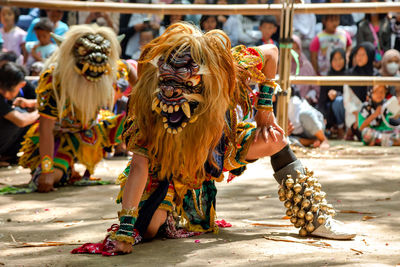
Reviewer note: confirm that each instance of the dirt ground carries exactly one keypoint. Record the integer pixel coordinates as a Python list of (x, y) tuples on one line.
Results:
[(363, 183)]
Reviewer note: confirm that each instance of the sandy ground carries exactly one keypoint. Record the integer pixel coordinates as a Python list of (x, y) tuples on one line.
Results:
[(365, 180)]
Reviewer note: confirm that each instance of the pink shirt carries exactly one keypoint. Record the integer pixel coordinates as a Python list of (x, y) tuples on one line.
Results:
[(13, 39), (324, 43)]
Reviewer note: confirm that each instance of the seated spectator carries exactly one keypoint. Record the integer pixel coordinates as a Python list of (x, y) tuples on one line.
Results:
[(13, 36), (370, 120), (376, 29), (42, 49), (8, 56), (209, 22), (308, 123), (309, 92), (390, 67), (326, 41), (55, 16), (16, 113), (268, 27), (330, 101), (354, 96), (168, 21), (146, 35)]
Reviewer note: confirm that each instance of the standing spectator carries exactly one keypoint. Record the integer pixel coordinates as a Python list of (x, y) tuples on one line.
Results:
[(195, 18), (109, 19), (304, 27), (390, 68), (248, 30), (330, 101), (354, 96), (268, 27), (15, 113), (346, 21), (146, 35), (309, 92), (376, 29), (326, 41), (55, 16), (42, 49), (25, 20), (131, 25), (13, 36), (230, 24), (396, 30)]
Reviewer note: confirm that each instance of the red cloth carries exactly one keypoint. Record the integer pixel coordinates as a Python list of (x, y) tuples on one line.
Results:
[(104, 248), (222, 223)]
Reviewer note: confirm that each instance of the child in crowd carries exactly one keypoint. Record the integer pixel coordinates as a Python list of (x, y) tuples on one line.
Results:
[(13, 36), (370, 120), (324, 42), (330, 101), (55, 16), (42, 49), (268, 27), (16, 113), (209, 22)]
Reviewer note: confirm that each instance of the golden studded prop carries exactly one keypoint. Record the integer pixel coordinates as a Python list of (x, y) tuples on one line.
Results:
[(304, 201)]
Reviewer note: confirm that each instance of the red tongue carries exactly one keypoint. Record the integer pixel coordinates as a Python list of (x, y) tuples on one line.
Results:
[(175, 117)]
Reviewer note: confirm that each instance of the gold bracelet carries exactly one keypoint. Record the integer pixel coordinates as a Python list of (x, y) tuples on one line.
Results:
[(47, 164), (128, 212)]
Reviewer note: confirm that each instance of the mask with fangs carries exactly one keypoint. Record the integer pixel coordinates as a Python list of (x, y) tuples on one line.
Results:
[(179, 83)]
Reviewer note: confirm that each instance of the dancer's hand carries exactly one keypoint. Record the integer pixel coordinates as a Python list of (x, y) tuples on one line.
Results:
[(45, 183), (122, 247), (266, 124)]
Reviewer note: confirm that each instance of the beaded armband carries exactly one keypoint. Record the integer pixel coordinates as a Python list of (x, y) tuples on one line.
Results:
[(264, 101), (47, 164), (126, 231)]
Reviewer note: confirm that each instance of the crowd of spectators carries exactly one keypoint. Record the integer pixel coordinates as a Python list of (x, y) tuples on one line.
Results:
[(334, 45)]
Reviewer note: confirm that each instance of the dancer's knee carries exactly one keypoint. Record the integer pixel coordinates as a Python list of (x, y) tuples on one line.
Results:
[(157, 220)]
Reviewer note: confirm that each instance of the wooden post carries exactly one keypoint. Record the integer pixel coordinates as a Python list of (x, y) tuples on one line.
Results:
[(285, 44)]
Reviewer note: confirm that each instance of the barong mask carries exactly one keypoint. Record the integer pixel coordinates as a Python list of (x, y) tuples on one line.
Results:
[(91, 54), (85, 69), (179, 84)]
